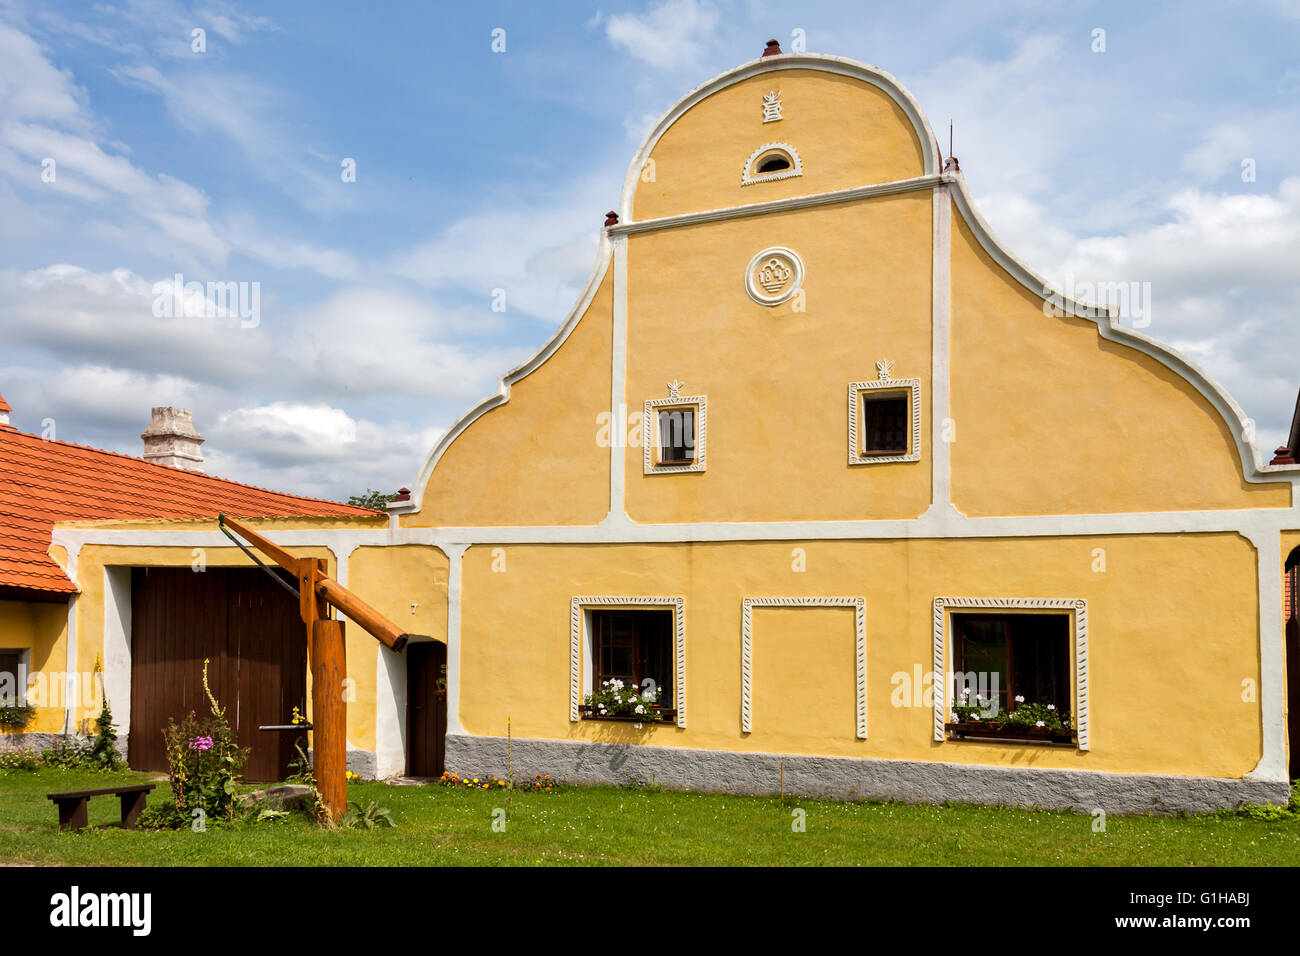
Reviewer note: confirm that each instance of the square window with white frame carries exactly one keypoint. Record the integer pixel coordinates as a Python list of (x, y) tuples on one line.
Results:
[(884, 421), (674, 434), (627, 659)]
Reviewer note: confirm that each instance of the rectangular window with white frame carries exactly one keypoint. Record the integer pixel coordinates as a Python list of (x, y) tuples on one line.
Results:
[(627, 659), (674, 434), (884, 419), (1012, 670)]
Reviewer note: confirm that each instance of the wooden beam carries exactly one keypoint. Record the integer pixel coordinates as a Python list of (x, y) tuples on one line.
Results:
[(358, 610), (273, 551), (313, 581)]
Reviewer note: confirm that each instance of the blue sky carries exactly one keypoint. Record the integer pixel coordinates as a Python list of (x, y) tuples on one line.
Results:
[(478, 170)]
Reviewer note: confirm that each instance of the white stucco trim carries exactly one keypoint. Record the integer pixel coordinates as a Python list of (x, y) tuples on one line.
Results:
[(580, 651), (117, 645), (747, 605), (940, 336), (1245, 521), (943, 683), (1272, 763), (70, 656), (913, 388), (774, 64), (760, 296), (749, 177), (455, 561), (650, 434), (721, 214), (618, 385), (390, 712)]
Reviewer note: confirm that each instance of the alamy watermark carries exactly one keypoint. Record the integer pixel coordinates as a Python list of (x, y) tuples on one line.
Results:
[(192, 300), (1125, 300)]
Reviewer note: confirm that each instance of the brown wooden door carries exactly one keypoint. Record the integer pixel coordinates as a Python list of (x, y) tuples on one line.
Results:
[(426, 708), (249, 629)]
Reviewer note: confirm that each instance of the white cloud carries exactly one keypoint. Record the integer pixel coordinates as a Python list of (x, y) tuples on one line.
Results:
[(32, 88), (1223, 284), (46, 116), (670, 35), (540, 252), (1220, 152), (73, 314), (219, 107), (315, 449), (117, 400)]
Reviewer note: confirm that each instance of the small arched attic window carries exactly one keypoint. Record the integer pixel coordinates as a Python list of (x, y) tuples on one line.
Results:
[(770, 162)]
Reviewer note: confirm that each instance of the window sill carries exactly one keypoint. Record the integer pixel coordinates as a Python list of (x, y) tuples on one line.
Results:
[(666, 715), (1027, 735)]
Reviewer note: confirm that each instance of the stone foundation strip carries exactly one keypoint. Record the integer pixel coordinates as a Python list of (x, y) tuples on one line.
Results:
[(854, 778)]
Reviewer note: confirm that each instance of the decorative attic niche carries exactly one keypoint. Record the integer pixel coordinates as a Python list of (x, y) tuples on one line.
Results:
[(771, 162)]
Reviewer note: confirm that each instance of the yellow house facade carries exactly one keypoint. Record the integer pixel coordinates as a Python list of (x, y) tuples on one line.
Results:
[(811, 442)]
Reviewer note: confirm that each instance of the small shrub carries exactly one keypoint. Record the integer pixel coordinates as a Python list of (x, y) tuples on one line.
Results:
[(203, 762), (20, 758), (1267, 811), (103, 749), (74, 752), (541, 783), (367, 817)]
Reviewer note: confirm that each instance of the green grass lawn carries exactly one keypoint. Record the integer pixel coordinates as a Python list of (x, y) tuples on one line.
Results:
[(612, 826)]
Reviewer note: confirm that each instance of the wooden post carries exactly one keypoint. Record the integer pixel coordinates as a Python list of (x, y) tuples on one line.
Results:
[(317, 592), (329, 715)]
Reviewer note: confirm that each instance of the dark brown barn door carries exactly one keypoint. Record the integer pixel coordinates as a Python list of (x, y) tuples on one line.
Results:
[(247, 627), (426, 708)]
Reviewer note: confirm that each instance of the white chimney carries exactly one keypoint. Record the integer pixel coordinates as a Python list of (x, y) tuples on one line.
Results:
[(171, 439)]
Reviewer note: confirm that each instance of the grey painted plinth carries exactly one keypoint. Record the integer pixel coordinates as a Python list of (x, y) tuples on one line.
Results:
[(853, 778), (39, 741), (44, 741), (360, 762)]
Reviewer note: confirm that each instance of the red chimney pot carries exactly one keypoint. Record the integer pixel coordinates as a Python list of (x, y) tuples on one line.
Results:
[(773, 48), (611, 218)]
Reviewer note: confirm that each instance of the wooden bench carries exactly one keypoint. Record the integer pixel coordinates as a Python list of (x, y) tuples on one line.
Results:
[(72, 805)]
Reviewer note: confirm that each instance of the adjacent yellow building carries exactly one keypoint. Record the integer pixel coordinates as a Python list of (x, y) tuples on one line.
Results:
[(811, 442)]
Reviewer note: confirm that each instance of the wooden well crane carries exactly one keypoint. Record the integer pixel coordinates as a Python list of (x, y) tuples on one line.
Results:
[(317, 594)]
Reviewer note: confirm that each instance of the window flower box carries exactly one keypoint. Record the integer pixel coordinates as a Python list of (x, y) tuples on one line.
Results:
[(1006, 730), (658, 715), (15, 716)]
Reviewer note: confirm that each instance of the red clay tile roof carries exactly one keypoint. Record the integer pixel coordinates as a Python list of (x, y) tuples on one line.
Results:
[(43, 481)]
